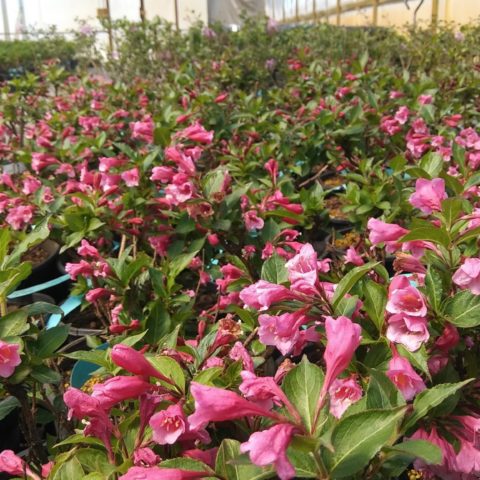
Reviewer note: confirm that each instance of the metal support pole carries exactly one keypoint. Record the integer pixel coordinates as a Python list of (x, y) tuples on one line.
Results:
[(273, 9), (375, 12), (315, 11), (339, 12), (109, 19), (142, 11), (434, 13), (6, 25), (297, 17), (284, 13), (327, 17), (177, 23)]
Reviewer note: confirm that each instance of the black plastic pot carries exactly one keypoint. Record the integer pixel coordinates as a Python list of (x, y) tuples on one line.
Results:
[(47, 270)]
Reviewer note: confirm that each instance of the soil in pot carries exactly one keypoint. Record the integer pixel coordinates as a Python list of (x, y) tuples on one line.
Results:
[(338, 242), (334, 205)]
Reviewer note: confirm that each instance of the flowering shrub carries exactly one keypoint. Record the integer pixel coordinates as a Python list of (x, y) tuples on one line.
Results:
[(281, 261)]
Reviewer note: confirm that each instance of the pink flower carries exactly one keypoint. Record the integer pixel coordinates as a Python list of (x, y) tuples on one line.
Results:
[(82, 268), (214, 404), (31, 185), (131, 177), (448, 464), (118, 389), (12, 464), (87, 250), (196, 133), (143, 130), (270, 446), (468, 275), (168, 425), (160, 244), (353, 257), (401, 373), (134, 362), (402, 115), (404, 298), (176, 193), (262, 294), (157, 473), (425, 99), (162, 174), (302, 268), (388, 233), (19, 217), (408, 331), (239, 353), (343, 338), (261, 390), (448, 339), (9, 358), (343, 392), (253, 221), (428, 195), (281, 331), (145, 457)]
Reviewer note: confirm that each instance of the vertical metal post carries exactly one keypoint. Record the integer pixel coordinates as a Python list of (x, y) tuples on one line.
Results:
[(375, 12), (273, 9), (177, 23), (142, 11), (284, 13), (296, 11), (434, 13), (315, 11), (6, 25), (327, 17), (339, 12), (109, 27)]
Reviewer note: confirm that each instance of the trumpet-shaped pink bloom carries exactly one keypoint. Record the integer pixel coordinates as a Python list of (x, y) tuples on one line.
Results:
[(270, 447), (214, 404), (117, 389), (162, 174), (135, 362), (239, 352), (12, 464), (428, 195), (157, 473), (19, 217), (253, 221), (343, 392), (261, 390), (401, 373), (408, 331), (468, 275), (262, 294), (9, 358), (302, 268), (388, 233), (448, 339), (131, 177), (404, 298), (196, 133), (353, 257), (281, 331), (145, 457), (343, 338), (168, 425)]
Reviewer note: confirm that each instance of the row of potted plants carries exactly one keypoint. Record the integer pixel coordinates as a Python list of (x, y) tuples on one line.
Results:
[(256, 257)]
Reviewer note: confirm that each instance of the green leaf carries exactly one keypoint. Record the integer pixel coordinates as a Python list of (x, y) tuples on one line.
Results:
[(79, 438), (50, 340), (302, 386), (418, 359), (434, 288), (349, 281), (14, 324), (375, 301), (468, 235), (68, 470), (170, 368), (274, 271), (357, 438), (451, 209), (431, 234), (39, 308), (228, 466), (45, 375), (432, 163), (180, 263), (158, 323), (431, 398), (427, 451), (463, 310), (7, 405), (304, 462), (382, 393), (98, 357)]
